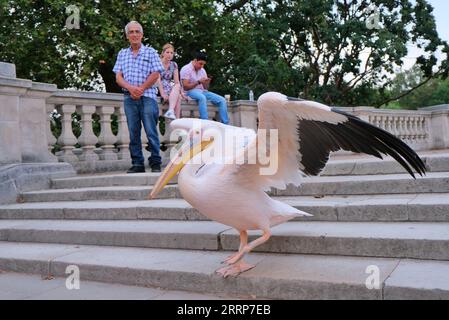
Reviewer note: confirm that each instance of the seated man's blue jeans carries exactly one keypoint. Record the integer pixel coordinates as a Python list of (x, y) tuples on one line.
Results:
[(203, 97), (144, 110)]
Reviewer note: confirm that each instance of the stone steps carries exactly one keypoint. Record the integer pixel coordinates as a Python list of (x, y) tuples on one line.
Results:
[(426, 207), (277, 276), (434, 182), (372, 239), (367, 213)]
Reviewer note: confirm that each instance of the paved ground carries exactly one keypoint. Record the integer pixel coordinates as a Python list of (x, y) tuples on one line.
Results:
[(16, 286)]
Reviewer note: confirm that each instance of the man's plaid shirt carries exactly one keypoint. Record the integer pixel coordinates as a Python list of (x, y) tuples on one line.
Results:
[(137, 69)]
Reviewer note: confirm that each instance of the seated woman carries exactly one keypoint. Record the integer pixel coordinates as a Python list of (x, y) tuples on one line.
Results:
[(169, 85)]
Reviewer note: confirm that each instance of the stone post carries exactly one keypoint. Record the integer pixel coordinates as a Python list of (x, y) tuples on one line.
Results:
[(439, 125), (23, 118)]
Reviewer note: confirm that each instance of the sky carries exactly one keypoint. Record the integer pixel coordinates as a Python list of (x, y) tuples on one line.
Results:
[(440, 12)]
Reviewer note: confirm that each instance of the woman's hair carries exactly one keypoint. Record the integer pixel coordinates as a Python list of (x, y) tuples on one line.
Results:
[(165, 47)]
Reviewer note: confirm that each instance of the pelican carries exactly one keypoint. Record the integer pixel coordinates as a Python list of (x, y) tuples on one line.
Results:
[(232, 189)]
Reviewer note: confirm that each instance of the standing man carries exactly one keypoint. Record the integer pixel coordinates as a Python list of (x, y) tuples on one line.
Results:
[(196, 82), (137, 69)]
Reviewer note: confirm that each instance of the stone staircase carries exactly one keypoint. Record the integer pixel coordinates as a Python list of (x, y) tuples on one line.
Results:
[(375, 234)]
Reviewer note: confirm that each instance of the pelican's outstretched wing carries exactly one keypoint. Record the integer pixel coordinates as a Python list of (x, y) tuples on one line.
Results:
[(308, 131)]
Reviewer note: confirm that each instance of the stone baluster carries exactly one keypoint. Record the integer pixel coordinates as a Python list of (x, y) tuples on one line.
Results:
[(387, 120), (106, 138), (122, 135), (422, 127), (406, 128), (50, 137), (396, 126), (401, 127), (414, 129), (67, 139), (87, 139), (373, 120), (382, 122)]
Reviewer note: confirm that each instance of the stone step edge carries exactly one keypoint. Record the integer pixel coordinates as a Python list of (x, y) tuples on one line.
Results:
[(327, 211)]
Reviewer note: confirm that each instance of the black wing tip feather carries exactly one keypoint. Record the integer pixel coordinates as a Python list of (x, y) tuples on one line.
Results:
[(318, 138), (392, 145)]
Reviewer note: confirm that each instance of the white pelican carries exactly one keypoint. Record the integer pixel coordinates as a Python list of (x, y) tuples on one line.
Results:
[(233, 192)]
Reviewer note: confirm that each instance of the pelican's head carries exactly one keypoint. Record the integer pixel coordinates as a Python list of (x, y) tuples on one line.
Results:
[(199, 137), (271, 98)]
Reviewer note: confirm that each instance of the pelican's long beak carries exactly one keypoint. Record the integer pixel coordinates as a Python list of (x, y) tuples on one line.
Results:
[(191, 147)]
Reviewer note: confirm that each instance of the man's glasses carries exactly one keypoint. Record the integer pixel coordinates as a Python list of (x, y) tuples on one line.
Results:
[(134, 32)]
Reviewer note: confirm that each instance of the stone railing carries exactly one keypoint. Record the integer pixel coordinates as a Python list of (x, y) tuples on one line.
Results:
[(110, 151), (413, 127)]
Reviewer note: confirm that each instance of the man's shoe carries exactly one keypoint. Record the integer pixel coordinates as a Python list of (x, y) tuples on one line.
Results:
[(156, 168), (136, 169), (170, 115)]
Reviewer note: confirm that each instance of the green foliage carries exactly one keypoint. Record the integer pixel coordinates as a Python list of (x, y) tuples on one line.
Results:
[(307, 48), (433, 92)]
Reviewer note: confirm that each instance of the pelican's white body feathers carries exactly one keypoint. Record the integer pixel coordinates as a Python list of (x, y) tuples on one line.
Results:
[(209, 189)]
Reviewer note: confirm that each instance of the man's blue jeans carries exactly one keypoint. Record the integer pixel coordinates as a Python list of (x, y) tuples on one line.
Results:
[(203, 97), (144, 110)]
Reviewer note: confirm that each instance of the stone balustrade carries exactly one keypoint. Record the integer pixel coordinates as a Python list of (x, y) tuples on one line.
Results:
[(413, 127), (110, 151)]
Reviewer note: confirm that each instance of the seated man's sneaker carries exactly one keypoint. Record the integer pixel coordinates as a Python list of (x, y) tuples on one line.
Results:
[(136, 169), (156, 168), (170, 115)]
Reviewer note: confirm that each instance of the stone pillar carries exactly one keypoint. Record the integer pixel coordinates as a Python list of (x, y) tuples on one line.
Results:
[(10, 135), (34, 123), (23, 118), (439, 126)]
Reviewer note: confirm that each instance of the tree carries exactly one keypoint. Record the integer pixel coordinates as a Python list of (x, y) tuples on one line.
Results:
[(423, 94), (332, 52), (326, 50), (34, 36)]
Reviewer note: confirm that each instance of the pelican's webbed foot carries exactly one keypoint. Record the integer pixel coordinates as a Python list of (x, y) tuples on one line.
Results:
[(234, 269)]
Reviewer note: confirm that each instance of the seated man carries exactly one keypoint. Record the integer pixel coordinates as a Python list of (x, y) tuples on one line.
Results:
[(196, 83)]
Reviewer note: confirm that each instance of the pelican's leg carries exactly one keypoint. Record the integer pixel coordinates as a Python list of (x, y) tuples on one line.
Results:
[(243, 243), (237, 265), (250, 246)]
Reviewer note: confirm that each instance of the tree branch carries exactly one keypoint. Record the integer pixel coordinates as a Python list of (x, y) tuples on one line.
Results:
[(409, 91)]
